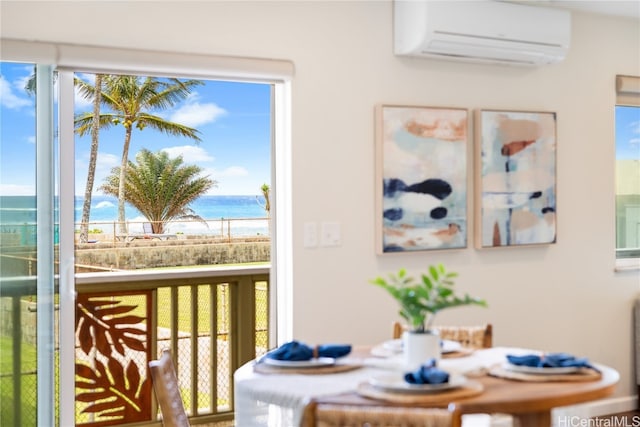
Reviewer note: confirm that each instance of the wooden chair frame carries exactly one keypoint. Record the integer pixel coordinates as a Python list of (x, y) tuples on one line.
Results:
[(468, 336), (325, 415), (165, 385)]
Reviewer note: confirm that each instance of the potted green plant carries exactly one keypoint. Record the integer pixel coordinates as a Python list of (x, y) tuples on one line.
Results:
[(420, 301)]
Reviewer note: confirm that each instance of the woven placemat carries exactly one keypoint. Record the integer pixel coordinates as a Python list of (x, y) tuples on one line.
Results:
[(584, 374), (463, 352), (470, 388), (263, 368)]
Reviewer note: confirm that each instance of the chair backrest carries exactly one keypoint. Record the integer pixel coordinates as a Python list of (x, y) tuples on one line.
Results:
[(332, 415), (165, 385), (147, 228), (469, 336)]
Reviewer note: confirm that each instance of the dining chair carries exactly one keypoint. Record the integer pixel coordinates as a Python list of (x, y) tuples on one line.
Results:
[(165, 385), (480, 336), (331, 415)]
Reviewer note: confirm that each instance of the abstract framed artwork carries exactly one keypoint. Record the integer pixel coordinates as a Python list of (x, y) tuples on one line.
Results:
[(421, 178), (515, 178)]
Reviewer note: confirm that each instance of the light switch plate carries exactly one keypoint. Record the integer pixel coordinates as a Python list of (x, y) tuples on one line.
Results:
[(310, 234), (330, 234)]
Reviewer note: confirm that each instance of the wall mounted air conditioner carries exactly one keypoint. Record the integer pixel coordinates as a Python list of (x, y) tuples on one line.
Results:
[(481, 31)]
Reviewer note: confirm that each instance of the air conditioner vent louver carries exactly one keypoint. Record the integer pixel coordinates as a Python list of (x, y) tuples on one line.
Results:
[(485, 59), (499, 39), (481, 31)]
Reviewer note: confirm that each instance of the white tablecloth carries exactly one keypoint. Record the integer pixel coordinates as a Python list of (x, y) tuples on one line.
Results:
[(277, 400)]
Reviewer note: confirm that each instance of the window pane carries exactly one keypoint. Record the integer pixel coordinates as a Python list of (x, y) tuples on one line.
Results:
[(628, 181)]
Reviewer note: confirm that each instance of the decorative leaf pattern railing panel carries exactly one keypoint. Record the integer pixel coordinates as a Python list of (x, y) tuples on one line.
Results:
[(112, 378)]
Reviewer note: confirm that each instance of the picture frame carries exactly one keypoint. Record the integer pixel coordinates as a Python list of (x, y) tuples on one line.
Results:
[(515, 178), (422, 180)]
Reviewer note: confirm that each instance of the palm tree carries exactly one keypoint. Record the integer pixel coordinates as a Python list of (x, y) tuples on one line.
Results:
[(131, 101), (93, 158), (160, 187)]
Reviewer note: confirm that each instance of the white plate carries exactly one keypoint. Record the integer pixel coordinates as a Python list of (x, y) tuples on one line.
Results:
[(398, 384), (312, 363), (393, 345), (448, 346), (541, 371)]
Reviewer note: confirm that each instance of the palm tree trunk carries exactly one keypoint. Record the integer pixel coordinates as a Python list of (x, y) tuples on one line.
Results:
[(93, 157), (123, 173)]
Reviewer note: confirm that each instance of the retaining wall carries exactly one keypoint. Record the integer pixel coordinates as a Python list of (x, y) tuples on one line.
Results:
[(168, 254)]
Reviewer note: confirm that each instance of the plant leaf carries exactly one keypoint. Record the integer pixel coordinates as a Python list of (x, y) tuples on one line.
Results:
[(419, 302)]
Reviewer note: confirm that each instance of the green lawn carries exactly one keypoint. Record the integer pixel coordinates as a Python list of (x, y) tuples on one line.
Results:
[(204, 305), (28, 384), (204, 308)]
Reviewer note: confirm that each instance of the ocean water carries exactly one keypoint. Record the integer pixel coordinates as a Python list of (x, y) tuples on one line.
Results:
[(236, 215)]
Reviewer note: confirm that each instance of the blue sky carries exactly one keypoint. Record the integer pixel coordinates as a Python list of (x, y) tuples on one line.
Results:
[(628, 132), (233, 119)]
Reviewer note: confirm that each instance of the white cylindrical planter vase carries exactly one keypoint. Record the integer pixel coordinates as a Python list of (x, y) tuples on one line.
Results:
[(420, 347)]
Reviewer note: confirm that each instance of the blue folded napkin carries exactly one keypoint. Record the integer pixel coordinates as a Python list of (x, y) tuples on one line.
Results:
[(297, 351), (550, 360), (428, 373), (333, 350)]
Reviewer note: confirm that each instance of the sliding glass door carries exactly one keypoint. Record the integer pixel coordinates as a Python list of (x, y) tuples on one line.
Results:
[(37, 209), (28, 246)]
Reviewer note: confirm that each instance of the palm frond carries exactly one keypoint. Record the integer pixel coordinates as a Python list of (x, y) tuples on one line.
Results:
[(83, 122), (167, 127)]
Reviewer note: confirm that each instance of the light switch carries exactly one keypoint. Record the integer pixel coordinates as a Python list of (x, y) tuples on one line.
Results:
[(310, 234), (330, 234)]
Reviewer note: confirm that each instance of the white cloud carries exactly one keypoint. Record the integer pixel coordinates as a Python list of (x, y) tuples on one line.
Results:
[(31, 139), (635, 126), (9, 99), (106, 161), (232, 171), (634, 141), (229, 172), (194, 113), (233, 180), (17, 190), (228, 180), (189, 153)]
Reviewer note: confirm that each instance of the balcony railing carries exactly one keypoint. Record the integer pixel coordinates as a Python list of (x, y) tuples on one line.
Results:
[(211, 319)]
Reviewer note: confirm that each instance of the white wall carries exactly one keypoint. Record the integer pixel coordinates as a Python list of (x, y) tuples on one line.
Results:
[(560, 297)]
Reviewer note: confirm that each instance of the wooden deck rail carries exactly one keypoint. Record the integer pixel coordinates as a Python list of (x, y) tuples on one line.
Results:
[(213, 320)]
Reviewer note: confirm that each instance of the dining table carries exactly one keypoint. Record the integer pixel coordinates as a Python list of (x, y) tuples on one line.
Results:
[(267, 395)]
